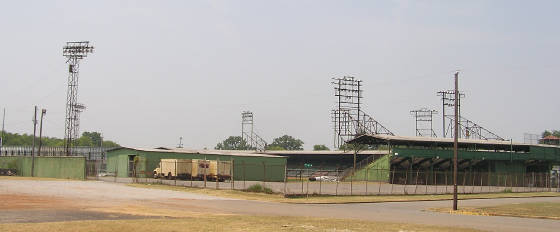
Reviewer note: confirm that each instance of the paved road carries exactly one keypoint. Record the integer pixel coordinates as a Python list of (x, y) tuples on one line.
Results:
[(402, 212)]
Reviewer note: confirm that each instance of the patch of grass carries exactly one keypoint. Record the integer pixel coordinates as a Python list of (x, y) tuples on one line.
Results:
[(547, 210), (507, 191), (257, 188), (236, 194), (225, 223), (309, 199)]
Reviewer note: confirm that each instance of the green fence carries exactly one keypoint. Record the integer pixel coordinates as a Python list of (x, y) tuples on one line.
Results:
[(48, 166)]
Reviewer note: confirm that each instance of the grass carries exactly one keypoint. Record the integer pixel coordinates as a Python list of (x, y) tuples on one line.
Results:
[(276, 197), (546, 210), (257, 188), (225, 223)]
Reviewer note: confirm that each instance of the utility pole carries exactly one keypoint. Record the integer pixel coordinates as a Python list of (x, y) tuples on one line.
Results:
[(33, 148), (455, 140), (43, 112)]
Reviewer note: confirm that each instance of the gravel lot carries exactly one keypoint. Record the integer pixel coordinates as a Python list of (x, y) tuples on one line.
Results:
[(76, 200)]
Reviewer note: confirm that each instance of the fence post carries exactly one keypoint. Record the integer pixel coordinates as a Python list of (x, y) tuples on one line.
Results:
[(205, 170), (405, 181), (217, 172), (435, 180), (176, 174), (515, 181), (558, 179), (445, 181), (231, 173), (285, 179), (473, 175), (531, 181), (320, 181), (378, 183), (416, 181), (351, 183), (244, 179), (337, 180), (392, 179), (264, 174), (301, 179), (367, 178), (191, 162), (548, 182), (426, 177), (480, 175), (307, 189)]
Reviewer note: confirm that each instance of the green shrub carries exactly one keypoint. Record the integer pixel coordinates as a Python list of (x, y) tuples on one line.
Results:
[(257, 188), (507, 190)]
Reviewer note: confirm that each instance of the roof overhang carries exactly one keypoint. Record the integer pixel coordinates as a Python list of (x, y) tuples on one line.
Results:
[(380, 139)]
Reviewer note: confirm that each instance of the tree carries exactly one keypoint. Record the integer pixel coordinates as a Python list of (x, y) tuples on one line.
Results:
[(88, 139), (285, 142), (275, 148), (95, 137), (553, 133), (234, 143), (320, 147)]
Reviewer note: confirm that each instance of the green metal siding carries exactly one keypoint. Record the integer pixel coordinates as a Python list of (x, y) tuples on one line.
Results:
[(53, 167), (245, 167), (376, 171), (539, 153)]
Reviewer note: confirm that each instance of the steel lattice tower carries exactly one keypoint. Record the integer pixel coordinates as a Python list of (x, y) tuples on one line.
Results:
[(248, 134), (349, 120), (467, 128), (424, 118), (74, 52)]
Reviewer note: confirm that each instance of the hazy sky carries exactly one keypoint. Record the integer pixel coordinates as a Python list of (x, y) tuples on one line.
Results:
[(165, 69)]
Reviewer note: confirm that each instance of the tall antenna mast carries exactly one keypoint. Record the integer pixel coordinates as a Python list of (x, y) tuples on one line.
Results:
[(74, 52)]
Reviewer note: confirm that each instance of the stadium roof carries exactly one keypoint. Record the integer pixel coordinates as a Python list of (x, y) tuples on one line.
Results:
[(203, 152), (377, 139)]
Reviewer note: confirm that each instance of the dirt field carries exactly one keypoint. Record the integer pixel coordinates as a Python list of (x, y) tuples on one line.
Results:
[(35, 201)]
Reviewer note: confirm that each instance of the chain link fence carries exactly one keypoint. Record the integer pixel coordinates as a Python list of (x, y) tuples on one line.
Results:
[(240, 176)]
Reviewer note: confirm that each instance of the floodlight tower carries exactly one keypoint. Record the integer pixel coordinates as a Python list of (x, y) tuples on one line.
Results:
[(424, 118), (74, 52)]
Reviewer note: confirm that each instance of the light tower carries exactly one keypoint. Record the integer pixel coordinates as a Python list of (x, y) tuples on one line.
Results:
[(74, 52), (424, 118)]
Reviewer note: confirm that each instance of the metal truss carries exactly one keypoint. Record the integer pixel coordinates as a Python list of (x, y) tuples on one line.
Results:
[(74, 52), (424, 122), (248, 134), (349, 120)]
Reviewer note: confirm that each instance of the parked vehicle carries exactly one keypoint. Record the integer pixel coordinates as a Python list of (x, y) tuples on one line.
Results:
[(174, 168), (195, 169)]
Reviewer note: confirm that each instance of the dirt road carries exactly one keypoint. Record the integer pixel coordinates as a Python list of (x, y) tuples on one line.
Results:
[(121, 201)]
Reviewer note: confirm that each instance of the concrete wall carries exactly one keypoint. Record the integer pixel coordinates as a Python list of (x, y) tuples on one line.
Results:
[(48, 166)]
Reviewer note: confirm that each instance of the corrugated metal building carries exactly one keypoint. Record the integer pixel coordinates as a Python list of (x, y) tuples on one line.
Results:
[(247, 165)]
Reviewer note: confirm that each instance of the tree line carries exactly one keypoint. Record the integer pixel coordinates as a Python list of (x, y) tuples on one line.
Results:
[(88, 139), (285, 142)]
